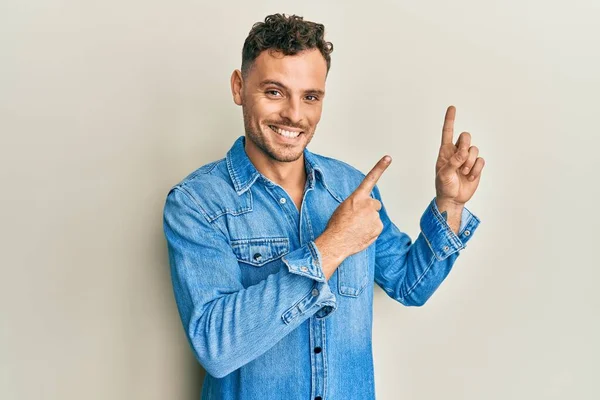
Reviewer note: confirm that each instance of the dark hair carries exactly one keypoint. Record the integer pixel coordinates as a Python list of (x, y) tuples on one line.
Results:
[(287, 34)]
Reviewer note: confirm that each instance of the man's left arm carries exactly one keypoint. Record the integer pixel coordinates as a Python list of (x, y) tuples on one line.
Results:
[(411, 272)]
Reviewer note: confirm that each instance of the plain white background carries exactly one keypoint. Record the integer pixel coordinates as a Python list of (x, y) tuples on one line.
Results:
[(105, 105)]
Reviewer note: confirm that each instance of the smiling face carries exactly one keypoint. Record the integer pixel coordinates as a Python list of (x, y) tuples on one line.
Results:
[(282, 99)]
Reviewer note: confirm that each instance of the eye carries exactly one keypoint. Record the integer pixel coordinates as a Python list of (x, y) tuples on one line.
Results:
[(272, 91), (315, 98)]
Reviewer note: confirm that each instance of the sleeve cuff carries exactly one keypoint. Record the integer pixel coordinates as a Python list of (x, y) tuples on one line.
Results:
[(320, 299), (305, 261), (440, 237)]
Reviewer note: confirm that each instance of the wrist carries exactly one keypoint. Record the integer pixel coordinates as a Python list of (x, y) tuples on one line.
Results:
[(451, 211), (449, 205), (331, 254)]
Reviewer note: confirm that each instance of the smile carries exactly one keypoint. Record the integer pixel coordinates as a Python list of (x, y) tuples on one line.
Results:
[(282, 132)]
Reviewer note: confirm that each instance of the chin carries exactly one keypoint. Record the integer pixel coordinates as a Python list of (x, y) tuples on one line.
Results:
[(283, 154)]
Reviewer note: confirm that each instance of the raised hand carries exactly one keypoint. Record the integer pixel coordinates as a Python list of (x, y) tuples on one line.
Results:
[(355, 223), (458, 169)]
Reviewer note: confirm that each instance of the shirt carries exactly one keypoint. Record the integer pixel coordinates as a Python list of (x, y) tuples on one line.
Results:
[(258, 313)]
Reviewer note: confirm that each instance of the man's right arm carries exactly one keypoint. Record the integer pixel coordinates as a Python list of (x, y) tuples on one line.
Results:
[(227, 324)]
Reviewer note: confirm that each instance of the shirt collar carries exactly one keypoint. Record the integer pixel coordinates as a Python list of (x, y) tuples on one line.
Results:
[(243, 173)]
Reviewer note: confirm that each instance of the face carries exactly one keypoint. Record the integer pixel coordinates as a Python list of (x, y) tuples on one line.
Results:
[(282, 100)]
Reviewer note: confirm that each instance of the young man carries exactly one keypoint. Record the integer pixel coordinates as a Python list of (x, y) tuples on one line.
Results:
[(274, 249)]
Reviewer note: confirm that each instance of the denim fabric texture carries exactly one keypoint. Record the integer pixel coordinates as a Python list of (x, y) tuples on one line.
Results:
[(258, 313)]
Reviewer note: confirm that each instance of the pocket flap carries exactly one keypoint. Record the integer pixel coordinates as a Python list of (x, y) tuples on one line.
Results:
[(259, 251)]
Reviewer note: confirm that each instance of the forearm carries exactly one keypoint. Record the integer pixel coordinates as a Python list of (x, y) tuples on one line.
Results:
[(410, 271), (236, 328)]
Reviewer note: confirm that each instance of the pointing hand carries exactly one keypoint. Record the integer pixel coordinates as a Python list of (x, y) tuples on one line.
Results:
[(355, 223), (458, 169)]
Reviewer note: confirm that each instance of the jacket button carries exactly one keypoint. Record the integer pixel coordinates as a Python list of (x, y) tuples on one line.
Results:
[(467, 232), (257, 256), (317, 349), (318, 398), (315, 292)]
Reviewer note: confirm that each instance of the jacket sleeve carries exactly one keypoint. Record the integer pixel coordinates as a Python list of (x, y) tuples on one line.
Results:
[(411, 272), (227, 324)]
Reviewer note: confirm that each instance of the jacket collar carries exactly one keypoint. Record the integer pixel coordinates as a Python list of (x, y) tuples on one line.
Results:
[(243, 173)]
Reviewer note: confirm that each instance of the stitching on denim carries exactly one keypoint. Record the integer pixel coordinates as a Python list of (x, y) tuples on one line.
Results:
[(331, 192), (186, 192), (313, 384), (213, 166), (350, 291), (431, 247), (412, 288), (237, 211), (288, 311), (323, 349), (266, 239), (249, 184), (201, 170), (232, 173), (276, 252), (236, 180)]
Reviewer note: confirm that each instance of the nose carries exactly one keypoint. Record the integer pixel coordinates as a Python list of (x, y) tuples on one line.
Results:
[(292, 111)]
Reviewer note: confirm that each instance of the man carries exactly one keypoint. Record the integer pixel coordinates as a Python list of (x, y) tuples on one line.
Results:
[(273, 249)]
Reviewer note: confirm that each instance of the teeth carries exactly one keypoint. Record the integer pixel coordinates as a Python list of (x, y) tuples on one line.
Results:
[(282, 132)]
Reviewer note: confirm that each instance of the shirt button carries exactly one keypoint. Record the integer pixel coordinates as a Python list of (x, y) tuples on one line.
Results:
[(303, 268), (282, 200), (318, 398), (315, 292), (317, 349), (467, 232), (446, 248), (257, 256)]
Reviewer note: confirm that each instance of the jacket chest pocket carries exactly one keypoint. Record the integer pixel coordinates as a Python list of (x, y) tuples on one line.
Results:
[(257, 252), (353, 274)]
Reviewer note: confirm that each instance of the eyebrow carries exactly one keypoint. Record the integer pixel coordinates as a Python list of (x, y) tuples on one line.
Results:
[(281, 85)]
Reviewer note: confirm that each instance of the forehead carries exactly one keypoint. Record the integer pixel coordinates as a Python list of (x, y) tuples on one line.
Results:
[(307, 69)]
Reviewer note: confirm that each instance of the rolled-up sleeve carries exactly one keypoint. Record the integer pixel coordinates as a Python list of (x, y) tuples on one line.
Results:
[(411, 272)]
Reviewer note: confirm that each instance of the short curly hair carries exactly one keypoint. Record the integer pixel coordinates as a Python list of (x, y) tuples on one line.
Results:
[(287, 34)]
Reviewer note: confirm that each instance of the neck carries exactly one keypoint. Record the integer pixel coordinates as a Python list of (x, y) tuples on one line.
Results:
[(290, 174)]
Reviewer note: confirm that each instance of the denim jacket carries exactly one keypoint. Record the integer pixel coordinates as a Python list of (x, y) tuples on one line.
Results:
[(258, 313)]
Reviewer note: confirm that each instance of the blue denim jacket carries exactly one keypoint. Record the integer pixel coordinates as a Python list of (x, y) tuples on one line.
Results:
[(257, 310)]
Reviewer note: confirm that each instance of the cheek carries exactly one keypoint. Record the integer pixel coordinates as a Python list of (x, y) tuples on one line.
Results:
[(266, 111), (314, 116)]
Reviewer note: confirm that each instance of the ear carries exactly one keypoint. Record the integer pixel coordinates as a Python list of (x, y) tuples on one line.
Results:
[(237, 85)]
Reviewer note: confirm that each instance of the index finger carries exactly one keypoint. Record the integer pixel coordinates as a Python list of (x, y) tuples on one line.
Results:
[(373, 176), (448, 129)]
